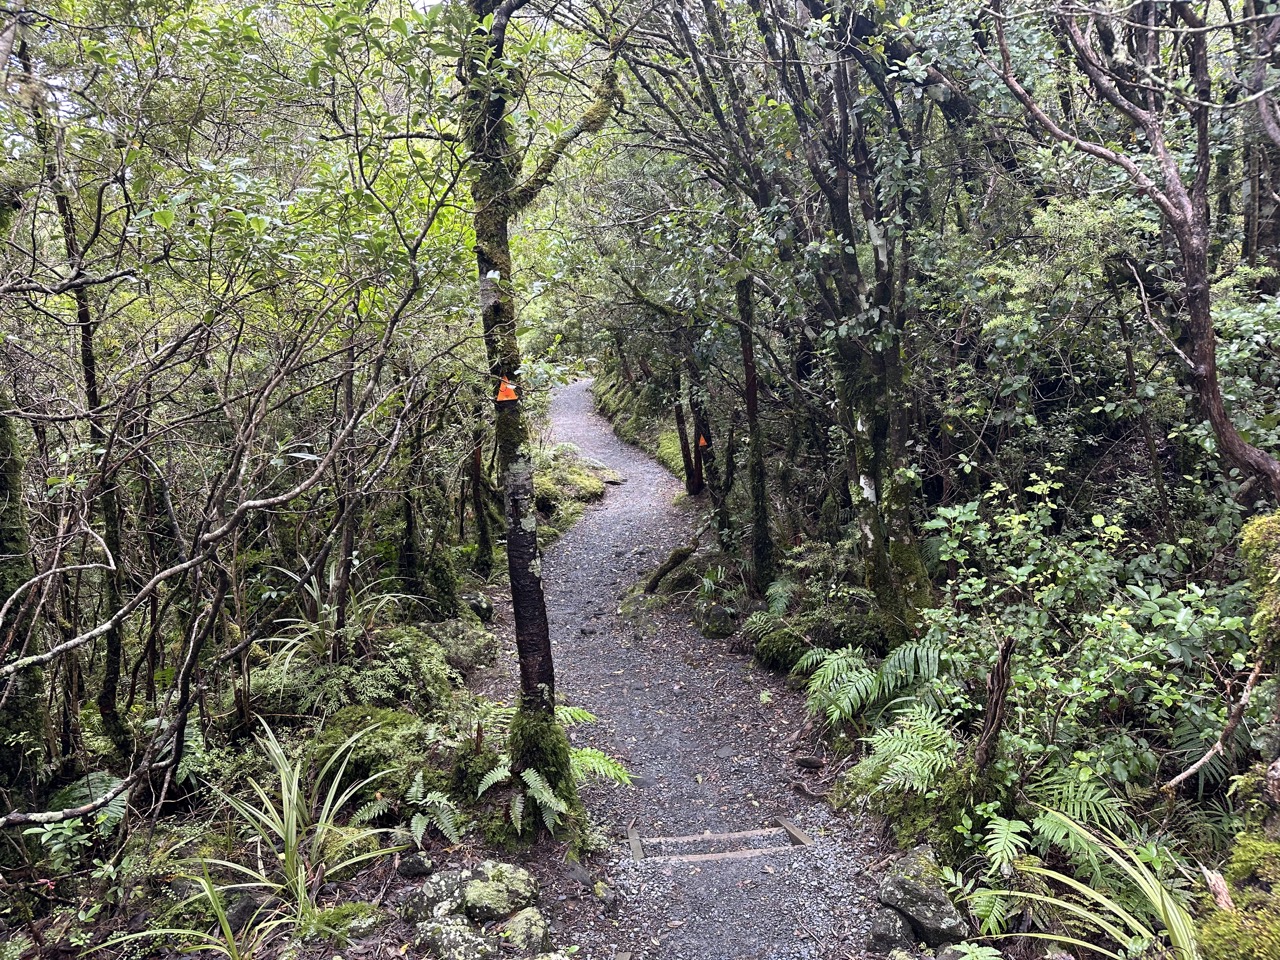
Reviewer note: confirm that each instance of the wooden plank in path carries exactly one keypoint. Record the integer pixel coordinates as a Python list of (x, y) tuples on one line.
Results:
[(729, 855), (633, 838), (695, 837), (798, 837)]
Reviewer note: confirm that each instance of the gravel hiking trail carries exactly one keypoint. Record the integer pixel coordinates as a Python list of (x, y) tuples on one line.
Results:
[(713, 742)]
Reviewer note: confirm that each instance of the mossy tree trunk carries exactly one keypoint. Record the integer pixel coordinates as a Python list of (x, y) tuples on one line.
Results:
[(24, 720), (762, 551), (500, 189)]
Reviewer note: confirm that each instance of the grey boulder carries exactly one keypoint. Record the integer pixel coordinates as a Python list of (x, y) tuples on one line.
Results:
[(913, 887)]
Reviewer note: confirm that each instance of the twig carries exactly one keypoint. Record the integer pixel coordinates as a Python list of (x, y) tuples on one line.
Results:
[(1233, 721)]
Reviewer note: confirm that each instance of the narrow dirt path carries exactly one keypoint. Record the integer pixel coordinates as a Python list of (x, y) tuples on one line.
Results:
[(706, 734)]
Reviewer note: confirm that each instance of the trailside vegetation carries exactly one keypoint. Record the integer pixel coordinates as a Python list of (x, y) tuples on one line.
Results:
[(958, 322)]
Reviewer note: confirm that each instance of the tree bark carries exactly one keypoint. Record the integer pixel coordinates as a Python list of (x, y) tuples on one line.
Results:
[(762, 550)]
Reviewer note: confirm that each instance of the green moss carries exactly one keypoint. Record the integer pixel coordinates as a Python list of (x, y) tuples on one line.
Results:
[(401, 743), (667, 450), (780, 650), (471, 764), (915, 817), (23, 718), (1250, 932), (440, 582), (1260, 546), (465, 642), (1254, 859), (538, 742), (344, 921)]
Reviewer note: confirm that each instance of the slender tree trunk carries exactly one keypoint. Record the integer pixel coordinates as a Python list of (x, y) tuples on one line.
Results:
[(24, 721), (762, 551), (479, 484)]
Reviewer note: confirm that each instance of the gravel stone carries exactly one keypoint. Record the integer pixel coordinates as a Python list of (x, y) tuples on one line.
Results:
[(670, 702)]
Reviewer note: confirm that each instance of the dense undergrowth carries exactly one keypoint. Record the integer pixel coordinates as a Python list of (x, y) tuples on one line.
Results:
[(1125, 658), (310, 771)]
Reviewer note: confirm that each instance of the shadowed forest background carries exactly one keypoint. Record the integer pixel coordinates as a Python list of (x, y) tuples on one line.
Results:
[(957, 321)]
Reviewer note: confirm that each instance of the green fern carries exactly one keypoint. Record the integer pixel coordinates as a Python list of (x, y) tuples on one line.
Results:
[(370, 811), (1082, 799), (910, 755), (1006, 841), (778, 596), (499, 774), (844, 688), (516, 811), (588, 762), (92, 786)]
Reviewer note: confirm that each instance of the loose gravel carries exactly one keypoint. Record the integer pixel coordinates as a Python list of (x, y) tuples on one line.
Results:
[(712, 740)]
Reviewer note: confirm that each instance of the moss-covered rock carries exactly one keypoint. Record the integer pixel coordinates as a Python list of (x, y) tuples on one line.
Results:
[(780, 650), (453, 938), (528, 931), (497, 891)]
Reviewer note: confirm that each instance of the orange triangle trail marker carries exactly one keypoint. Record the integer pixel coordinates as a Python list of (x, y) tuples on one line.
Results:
[(702, 441), (506, 391)]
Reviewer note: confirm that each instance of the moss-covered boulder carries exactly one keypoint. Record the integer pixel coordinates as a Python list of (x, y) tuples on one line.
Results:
[(913, 887), (715, 622), (498, 891), (453, 938), (390, 742), (527, 931), (439, 896)]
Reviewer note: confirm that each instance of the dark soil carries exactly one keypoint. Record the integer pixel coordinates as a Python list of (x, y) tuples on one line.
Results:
[(712, 740)]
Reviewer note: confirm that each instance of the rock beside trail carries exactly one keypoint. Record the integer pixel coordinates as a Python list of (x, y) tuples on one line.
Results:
[(414, 866), (439, 896), (528, 931), (452, 938), (913, 887), (889, 931), (480, 605), (716, 622), (499, 890), (451, 906)]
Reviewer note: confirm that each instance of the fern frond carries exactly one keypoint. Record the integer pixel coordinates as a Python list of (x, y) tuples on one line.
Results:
[(370, 811), (778, 595), (497, 775), (1006, 841), (541, 791), (86, 790), (590, 762), (517, 811), (761, 624), (568, 716), (810, 660), (416, 789)]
